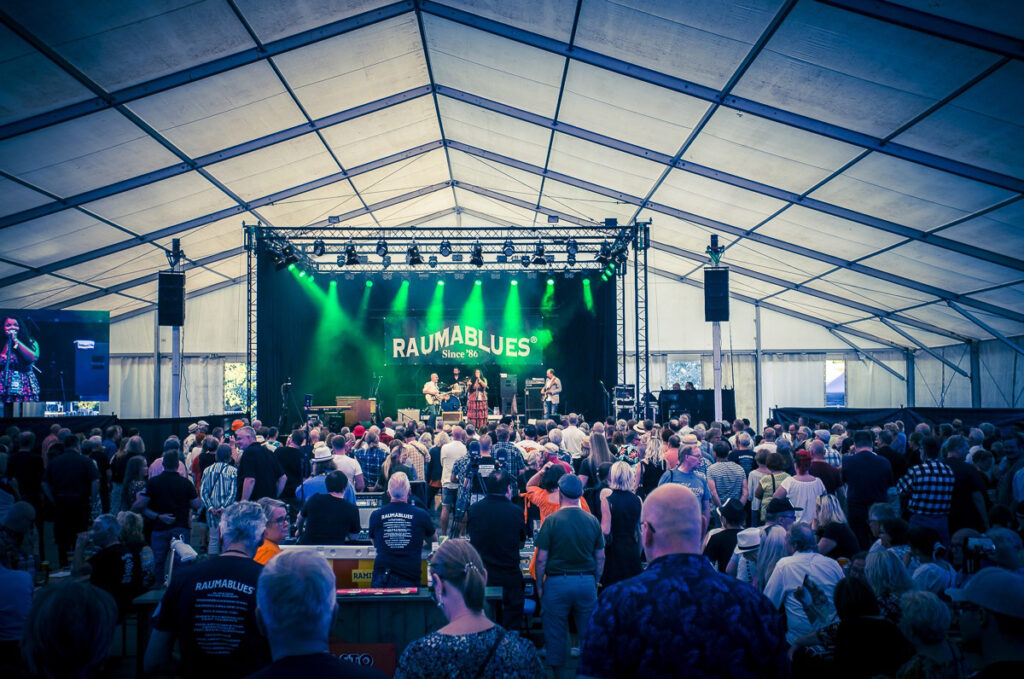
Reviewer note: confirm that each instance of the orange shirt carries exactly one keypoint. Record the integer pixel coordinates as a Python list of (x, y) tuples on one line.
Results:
[(267, 551)]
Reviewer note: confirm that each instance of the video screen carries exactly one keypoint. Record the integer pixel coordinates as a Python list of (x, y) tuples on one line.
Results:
[(55, 355)]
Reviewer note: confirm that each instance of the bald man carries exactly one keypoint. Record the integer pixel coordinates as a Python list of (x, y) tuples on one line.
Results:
[(681, 617)]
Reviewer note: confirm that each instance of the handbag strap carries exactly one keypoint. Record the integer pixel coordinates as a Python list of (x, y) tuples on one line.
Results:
[(490, 654)]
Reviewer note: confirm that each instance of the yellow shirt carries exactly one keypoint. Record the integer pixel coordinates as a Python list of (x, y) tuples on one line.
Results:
[(267, 551)]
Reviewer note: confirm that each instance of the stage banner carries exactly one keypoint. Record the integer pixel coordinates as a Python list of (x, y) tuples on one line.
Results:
[(412, 340)]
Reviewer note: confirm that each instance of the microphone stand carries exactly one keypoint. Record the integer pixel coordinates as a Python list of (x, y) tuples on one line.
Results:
[(7, 370), (608, 400), (282, 420)]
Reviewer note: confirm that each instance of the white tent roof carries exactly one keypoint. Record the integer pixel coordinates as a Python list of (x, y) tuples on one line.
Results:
[(862, 160)]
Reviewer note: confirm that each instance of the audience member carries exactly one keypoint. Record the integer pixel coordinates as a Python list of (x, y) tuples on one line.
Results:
[(835, 539), (166, 502), (69, 482), (868, 479), (69, 629), (259, 472), (802, 489), (399, 532), (329, 518), (720, 543), (497, 531), (217, 491), (620, 522), (114, 568), (991, 607), (276, 513)]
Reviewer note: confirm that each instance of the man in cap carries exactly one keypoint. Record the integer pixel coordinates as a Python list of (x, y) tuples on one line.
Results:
[(686, 471), (570, 560), (992, 615), (728, 630)]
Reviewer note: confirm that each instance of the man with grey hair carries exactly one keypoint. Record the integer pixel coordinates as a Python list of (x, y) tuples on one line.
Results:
[(556, 437), (399, 532), (296, 602), (451, 452), (572, 436), (802, 579), (211, 607)]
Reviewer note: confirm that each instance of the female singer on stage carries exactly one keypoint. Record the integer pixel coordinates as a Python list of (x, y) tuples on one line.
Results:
[(17, 360), (476, 411)]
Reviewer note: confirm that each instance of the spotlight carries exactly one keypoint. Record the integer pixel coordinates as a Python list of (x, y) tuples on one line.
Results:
[(538, 254), (605, 253), (478, 282), (476, 255), (412, 255), (570, 259), (382, 248), (319, 248), (446, 248), (508, 249), (432, 261), (385, 262), (440, 284), (369, 284), (351, 257), (551, 281), (572, 247), (525, 259), (514, 282)]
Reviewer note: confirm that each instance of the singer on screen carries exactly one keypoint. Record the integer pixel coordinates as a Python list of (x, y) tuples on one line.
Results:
[(20, 353)]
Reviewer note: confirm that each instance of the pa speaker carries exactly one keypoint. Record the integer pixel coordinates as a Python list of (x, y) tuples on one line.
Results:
[(171, 298), (716, 294)]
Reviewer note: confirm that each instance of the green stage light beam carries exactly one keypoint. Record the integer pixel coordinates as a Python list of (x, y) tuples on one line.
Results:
[(547, 304), (473, 310), (512, 319), (435, 312), (588, 295), (364, 303), (400, 304), (330, 333)]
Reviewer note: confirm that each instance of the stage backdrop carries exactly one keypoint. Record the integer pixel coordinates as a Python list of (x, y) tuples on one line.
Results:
[(339, 337)]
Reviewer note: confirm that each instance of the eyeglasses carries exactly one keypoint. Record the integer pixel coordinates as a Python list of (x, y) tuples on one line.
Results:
[(280, 519)]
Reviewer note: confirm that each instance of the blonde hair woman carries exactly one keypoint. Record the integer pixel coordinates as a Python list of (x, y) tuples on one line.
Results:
[(620, 522), (773, 548), (470, 645), (652, 466), (835, 537)]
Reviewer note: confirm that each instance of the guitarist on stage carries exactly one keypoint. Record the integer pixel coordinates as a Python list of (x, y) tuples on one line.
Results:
[(552, 388), (433, 396)]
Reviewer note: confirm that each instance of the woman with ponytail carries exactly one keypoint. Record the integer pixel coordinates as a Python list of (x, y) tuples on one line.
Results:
[(470, 646)]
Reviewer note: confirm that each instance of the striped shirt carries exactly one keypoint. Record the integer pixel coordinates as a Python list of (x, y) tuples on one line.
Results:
[(930, 488), (728, 478)]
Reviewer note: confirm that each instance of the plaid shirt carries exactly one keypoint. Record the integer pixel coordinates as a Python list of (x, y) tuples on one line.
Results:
[(833, 457), (930, 487), (511, 461), (370, 459)]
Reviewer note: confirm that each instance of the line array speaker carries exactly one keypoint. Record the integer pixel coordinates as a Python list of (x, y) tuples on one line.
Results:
[(716, 294)]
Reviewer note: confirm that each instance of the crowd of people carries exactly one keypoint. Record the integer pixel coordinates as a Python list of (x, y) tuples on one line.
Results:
[(658, 550)]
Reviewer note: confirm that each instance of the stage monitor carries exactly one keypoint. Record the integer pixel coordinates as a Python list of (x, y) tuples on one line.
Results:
[(59, 356)]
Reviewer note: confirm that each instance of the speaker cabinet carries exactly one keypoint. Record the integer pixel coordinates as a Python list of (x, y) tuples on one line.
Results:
[(716, 294), (171, 298)]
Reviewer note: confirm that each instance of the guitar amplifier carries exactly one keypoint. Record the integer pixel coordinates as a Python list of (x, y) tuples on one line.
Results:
[(534, 401)]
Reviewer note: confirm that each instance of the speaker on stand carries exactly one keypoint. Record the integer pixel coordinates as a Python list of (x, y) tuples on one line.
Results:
[(170, 306), (716, 294)]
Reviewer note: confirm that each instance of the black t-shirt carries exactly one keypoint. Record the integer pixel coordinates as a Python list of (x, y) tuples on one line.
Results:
[(831, 477), (497, 531), (170, 493), (211, 609), (70, 476), (117, 570), (329, 520), (842, 535), (294, 463), (398, 530), (102, 465), (897, 461), (966, 480), (27, 468), (259, 464), (868, 477), (720, 547), (318, 665), (744, 458)]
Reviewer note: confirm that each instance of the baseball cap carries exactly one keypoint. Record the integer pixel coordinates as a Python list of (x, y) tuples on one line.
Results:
[(359, 431), (996, 589), (778, 505), (236, 425), (570, 486)]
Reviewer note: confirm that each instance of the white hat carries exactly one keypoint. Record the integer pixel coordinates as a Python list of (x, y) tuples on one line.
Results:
[(322, 453)]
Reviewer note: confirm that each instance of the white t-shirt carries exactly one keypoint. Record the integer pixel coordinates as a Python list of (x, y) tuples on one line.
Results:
[(350, 466), (572, 437), (804, 494), (789, 574), (450, 452)]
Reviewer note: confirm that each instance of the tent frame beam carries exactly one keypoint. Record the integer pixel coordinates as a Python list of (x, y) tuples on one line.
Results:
[(865, 355), (931, 352), (985, 326)]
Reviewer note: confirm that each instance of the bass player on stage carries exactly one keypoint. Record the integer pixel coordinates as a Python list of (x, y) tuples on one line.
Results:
[(552, 388), (476, 411)]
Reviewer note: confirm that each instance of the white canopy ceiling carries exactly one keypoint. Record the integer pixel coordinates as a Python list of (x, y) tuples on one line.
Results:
[(861, 160)]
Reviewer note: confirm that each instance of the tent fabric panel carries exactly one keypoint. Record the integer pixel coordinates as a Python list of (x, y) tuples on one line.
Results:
[(166, 202), (605, 167), (130, 42), (32, 83), (905, 193), (117, 268), (501, 213), (490, 175), (832, 235), (410, 210), (281, 166), (771, 260), (221, 111), (678, 232), (583, 203), (936, 385), (493, 67), (213, 238), (855, 72), (981, 127), (817, 307), (997, 16), (312, 206), (367, 138), (1010, 297), (945, 317), (39, 292), (879, 329), (355, 68), (700, 42), (869, 290), (115, 304), (551, 18), (715, 200), (493, 131), (272, 20), (14, 197), (768, 152), (627, 109), (52, 238), (1000, 230), (940, 267), (402, 177), (83, 154)]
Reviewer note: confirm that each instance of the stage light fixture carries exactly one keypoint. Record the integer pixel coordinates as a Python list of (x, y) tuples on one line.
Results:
[(382, 248), (369, 284), (570, 259), (551, 281), (440, 284), (476, 255), (386, 261), (446, 248), (351, 256), (319, 248), (538, 254), (605, 254), (508, 249), (478, 282), (432, 261), (525, 259), (412, 255), (514, 282), (572, 247)]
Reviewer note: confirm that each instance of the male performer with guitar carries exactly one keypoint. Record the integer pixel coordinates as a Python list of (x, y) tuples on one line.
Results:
[(552, 388), (433, 396)]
